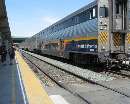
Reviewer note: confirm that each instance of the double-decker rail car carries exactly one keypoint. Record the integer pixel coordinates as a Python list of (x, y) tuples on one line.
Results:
[(96, 33)]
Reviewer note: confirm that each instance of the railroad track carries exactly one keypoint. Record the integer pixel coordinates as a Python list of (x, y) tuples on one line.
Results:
[(56, 81), (65, 86), (118, 73)]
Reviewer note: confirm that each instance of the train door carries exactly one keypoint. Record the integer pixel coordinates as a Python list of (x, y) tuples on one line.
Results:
[(61, 44), (128, 34), (103, 27), (119, 25)]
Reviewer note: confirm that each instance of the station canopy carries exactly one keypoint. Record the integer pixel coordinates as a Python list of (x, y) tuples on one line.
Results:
[(5, 32)]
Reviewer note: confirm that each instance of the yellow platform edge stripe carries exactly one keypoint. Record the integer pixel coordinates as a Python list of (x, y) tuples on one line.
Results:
[(33, 87)]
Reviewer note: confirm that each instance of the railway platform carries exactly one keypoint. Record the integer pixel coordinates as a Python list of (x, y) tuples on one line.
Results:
[(19, 85)]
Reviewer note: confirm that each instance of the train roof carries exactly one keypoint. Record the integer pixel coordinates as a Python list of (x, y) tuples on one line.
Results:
[(88, 6)]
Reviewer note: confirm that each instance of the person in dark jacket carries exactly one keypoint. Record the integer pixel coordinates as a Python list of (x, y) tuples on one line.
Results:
[(11, 54), (0, 53), (3, 53)]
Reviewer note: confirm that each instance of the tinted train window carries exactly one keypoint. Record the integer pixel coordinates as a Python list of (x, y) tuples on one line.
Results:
[(87, 15), (82, 17), (129, 14), (103, 12), (90, 14), (117, 8), (94, 12)]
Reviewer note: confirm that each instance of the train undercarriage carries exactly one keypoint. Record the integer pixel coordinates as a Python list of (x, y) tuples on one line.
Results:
[(116, 60)]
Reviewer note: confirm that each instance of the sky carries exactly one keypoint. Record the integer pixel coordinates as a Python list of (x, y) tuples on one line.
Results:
[(28, 17)]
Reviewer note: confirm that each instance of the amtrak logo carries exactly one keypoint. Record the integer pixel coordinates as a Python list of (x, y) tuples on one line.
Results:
[(89, 46)]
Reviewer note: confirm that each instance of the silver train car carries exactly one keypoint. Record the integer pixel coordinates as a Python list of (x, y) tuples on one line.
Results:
[(96, 33)]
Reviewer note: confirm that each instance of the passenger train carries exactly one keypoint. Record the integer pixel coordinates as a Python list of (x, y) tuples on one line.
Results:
[(96, 33)]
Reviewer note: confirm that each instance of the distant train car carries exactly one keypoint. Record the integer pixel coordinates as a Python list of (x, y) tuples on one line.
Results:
[(96, 33)]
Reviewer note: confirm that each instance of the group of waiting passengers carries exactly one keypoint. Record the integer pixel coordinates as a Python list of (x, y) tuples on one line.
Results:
[(4, 52)]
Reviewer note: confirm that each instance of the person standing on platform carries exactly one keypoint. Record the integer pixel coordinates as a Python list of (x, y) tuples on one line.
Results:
[(3, 53), (0, 53), (11, 54)]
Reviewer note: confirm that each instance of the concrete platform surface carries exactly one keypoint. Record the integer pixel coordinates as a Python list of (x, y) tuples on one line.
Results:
[(10, 85), (19, 84)]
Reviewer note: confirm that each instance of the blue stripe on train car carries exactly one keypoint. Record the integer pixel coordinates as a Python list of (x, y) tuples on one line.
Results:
[(82, 46)]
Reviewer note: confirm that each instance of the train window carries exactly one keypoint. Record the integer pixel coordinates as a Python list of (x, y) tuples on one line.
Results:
[(103, 12), (82, 17), (87, 15), (94, 12), (117, 8), (76, 19), (128, 14), (43, 33), (90, 17)]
